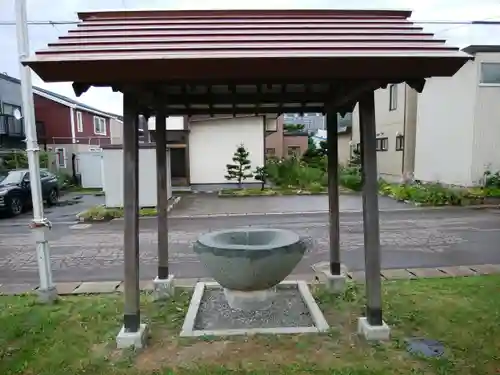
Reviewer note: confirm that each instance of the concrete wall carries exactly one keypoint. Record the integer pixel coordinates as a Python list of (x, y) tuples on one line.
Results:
[(445, 128), (486, 133), (113, 176), (212, 143)]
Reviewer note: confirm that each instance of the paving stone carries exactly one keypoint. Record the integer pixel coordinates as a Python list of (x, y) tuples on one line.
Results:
[(486, 269), (427, 272), (11, 289), (67, 288), (358, 276), (397, 274), (458, 271), (93, 287)]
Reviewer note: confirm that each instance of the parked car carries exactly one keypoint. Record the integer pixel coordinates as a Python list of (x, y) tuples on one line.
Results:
[(15, 190)]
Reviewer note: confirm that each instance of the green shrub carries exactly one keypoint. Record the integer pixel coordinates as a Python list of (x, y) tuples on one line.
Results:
[(492, 180), (351, 181), (432, 194)]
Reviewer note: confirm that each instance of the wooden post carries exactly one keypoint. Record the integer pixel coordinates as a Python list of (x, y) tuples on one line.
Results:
[(132, 315), (162, 194), (370, 209), (333, 191)]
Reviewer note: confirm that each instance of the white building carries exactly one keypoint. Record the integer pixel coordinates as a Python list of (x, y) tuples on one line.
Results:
[(458, 122)]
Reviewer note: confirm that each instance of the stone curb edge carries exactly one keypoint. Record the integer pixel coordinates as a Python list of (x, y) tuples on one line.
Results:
[(106, 287), (80, 219), (345, 212)]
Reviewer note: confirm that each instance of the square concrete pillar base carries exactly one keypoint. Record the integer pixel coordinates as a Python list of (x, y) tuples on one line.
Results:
[(48, 295), (334, 283), (136, 340), (373, 333), (163, 288)]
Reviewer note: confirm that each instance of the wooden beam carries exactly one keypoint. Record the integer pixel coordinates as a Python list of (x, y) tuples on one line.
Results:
[(241, 111)]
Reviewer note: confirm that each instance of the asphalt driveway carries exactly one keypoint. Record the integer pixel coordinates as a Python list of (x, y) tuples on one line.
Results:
[(69, 206), (210, 204)]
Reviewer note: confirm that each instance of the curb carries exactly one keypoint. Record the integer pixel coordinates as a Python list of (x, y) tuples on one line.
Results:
[(108, 287), (345, 212), (80, 219)]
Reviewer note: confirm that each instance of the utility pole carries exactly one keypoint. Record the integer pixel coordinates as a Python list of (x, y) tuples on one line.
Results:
[(40, 225)]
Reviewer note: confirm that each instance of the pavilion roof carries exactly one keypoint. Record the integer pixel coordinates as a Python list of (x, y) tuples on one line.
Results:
[(265, 49)]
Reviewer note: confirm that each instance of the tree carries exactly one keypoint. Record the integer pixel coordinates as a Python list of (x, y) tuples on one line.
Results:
[(240, 170), (290, 128), (261, 175)]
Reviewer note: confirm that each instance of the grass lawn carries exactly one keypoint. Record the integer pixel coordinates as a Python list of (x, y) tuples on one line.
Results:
[(76, 336)]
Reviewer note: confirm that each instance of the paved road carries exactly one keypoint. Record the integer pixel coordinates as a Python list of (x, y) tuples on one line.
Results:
[(409, 239)]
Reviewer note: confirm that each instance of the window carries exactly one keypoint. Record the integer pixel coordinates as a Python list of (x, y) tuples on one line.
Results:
[(15, 126), (490, 73), (358, 147), (270, 151), (99, 125), (293, 150), (393, 97), (79, 122), (382, 144), (61, 157), (400, 142)]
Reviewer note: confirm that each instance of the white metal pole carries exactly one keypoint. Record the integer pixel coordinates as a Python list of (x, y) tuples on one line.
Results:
[(39, 225)]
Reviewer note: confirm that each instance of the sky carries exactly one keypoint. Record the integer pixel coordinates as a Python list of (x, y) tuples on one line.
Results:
[(106, 100)]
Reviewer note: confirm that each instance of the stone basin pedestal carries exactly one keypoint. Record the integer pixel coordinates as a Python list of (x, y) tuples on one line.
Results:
[(248, 301)]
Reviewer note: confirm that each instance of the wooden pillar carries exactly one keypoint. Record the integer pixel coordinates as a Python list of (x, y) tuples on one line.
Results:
[(162, 194), (132, 317), (333, 191), (370, 209)]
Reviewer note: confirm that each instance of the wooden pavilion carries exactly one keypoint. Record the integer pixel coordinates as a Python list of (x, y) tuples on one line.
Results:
[(259, 62)]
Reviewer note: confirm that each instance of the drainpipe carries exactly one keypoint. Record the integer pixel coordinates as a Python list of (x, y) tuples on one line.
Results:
[(403, 174), (72, 123)]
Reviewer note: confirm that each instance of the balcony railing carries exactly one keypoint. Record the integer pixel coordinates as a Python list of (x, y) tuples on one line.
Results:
[(10, 126)]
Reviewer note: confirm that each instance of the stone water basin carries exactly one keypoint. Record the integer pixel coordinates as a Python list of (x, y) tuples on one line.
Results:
[(250, 260)]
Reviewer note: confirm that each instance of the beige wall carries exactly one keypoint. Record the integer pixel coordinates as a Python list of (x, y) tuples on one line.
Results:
[(344, 148), (274, 140), (277, 142), (294, 141), (390, 123)]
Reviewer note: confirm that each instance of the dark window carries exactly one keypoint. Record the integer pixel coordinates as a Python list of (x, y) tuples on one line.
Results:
[(393, 97), (382, 144), (293, 150), (270, 151), (400, 143)]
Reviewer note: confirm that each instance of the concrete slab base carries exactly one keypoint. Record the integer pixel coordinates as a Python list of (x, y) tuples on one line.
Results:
[(249, 301), (163, 288), (373, 333), (136, 340), (334, 283), (48, 295), (320, 323)]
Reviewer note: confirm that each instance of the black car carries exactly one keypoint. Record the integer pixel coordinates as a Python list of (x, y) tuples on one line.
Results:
[(15, 190)]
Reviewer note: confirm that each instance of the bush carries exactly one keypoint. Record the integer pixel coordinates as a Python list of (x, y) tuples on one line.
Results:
[(432, 194), (351, 181), (492, 180), (293, 173)]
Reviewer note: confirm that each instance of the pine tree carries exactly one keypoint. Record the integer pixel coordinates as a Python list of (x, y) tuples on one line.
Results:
[(240, 170)]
